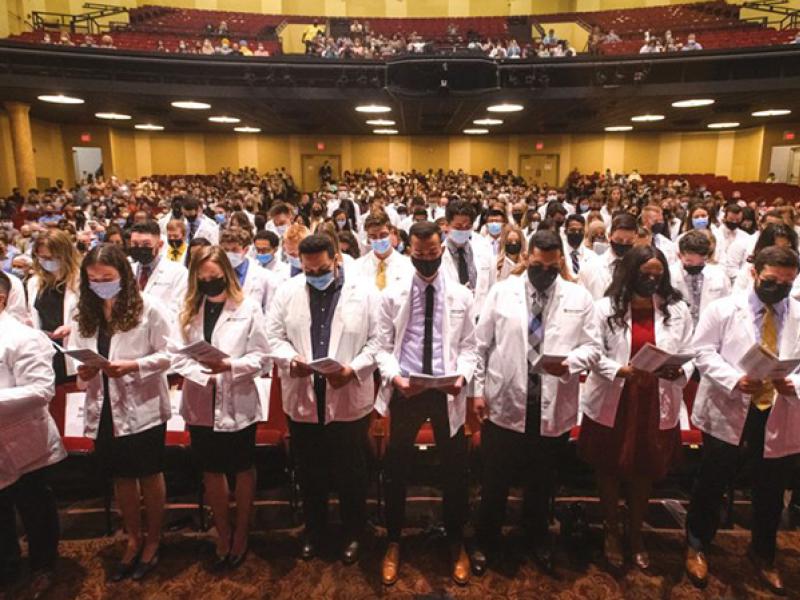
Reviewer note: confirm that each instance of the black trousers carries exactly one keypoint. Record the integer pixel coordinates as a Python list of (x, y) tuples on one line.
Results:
[(332, 456), (719, 466), (407, 416), (506, 454), (32, 497)]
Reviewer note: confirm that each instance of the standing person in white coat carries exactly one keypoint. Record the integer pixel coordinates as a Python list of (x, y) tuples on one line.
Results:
[(383, 266), (630, 431), (598, 272), (197, 224), (127, 403), (652, 218), (742, 418), (220, 399), (161, 279), (266, 251), (427, 325), (53, 293), (256, 283), (730, 237), (326, 313), (468, 258), (29, 442), (16, 306), (576, 253), (527, 411)]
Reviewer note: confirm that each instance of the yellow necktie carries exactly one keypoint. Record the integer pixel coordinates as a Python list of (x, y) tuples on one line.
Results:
[(380, 276), (769, 340)]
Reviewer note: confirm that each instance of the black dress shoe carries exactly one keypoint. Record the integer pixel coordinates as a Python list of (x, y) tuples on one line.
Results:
[(124, 570), (236, 561), (478, 561), (351, 552), (308, 550), (143, 569), (220, 563)]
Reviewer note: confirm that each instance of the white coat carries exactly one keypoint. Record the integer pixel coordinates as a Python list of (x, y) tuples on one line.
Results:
[(458, 345), (353, 342), (139, 400), (15, 303), (260, 284), (70, 304), (167, 284), (485, 267), (502, 340), (715, 283), (29, 438), (601, 395), (398, 268), (597, 273), (585, 257), (239, 332), (724, 334)]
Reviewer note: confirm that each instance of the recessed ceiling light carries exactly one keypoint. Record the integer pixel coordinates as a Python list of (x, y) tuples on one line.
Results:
[(380, 122), (247, 129), (385, 131), (224, 119), (723, 125), (60, 99), (693, 103), (488, 122), (191, 105), (647, 118), (619, 128), (476, 131), (772, 112), (505, 107), (149, 127), (373, 108), (112, 116)]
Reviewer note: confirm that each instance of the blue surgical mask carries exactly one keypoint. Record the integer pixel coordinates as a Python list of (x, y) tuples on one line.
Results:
[(494, 228), (460, 237), (281, 229), (400, 247), (320, 282), (295, 261), (105, 290), (381, 246), (18, 272), (341, 223), (51, 265), (219, 218), (700, 222), (264, 259)]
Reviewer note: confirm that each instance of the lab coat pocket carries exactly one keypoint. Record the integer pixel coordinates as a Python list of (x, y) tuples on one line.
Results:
[(27, 442)]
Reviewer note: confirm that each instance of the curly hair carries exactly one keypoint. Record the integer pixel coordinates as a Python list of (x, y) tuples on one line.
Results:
[(128, 304)]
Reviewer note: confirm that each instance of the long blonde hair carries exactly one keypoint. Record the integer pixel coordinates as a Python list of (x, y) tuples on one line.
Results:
[(521, 263), (60, 245), (194, 299)]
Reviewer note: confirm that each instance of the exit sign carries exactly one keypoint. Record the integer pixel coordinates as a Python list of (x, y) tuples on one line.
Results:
[(320, 146), (86, 137), (540, 145), (788, 136)]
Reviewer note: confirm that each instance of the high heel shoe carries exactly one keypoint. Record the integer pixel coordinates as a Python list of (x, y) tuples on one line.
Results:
[(612, 548), (143, 569), (123, 570)]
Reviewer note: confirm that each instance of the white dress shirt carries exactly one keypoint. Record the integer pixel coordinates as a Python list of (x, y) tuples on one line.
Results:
[(412, 348)]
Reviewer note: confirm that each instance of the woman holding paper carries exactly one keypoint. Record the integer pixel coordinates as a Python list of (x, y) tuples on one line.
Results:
[(127, 395), (220, 399), (630, 432)]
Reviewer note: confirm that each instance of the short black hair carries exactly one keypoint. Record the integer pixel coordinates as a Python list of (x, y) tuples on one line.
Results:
[(190, 203), (555, 207), (313, 244), (575, 218), (199, 241), (624, 221), (424, 230), (776, 256), (546, 241), (148, 227), (270, 236), (460, 207), (694, 242), (497, 213), (733, 209)]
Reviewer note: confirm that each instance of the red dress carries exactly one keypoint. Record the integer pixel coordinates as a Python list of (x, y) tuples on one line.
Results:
[(634, 446)]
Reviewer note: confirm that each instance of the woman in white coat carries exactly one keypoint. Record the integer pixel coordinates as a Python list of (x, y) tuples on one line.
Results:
[(127, 402), (630, 430), (53, 293), (220, 399)]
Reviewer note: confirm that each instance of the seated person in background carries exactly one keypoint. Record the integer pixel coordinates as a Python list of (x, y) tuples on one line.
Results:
[(692, 43)]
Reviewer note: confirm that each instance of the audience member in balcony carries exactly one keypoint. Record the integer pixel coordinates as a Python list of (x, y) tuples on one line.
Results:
[(550, 39), (563, 49), (225, 47), (651, 46), (260, 50), (107, 42), (356, 28), (207, 48), (46, 39), (244, 49), (160, 47), (311, 35), (222, 29), (796, 39), (692, 43), (184, 48), (612, 37), (670, 43), (513, 50), (65, 40)]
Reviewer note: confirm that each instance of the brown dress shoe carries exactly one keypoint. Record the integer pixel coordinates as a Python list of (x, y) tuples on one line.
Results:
[(767, 573), (391, 564), (696, 567), (461, 565)]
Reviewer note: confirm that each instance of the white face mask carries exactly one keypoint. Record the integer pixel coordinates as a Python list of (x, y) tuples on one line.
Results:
[(235, 259)]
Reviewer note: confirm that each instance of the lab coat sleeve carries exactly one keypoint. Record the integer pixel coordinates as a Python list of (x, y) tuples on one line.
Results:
[(387, 361), (467, 348), (363, 363), (484, 343), (251, 363), (186, 367), (685, 345), (589, 347), (158, 329), (31, 362), (606, 367), (280, 348), (707, 344)]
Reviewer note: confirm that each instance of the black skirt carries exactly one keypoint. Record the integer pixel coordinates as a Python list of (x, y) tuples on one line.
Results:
[(129, 456), (223, 451)]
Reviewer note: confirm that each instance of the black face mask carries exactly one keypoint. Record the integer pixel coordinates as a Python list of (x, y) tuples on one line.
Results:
[(191, 218), (517, 216), (620, 249), (646, 285), (175, 243), (575, 238), (513, 248), (694, 269), (142, 255), (176, 211), (212, 287), (658, 228), (770, 291), (732, 226), (542, 278), (426, 268), (81, 246)]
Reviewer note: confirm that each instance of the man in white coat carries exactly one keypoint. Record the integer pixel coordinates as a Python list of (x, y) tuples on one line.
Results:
[(165, 281), (197, 224), (382, 266), (597, 274), (742, 417), (257, 283), (29, 442), (427, 326), (576, 253), (320, 315), (653, 219), (468, 258), (266, 252), (729, 235), (527, 407)]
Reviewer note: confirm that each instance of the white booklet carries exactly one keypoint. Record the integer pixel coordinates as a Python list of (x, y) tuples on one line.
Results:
[(432, 382), (760, 363), (87, 357), (651, 358), (201, 351), (546, 360), (326, 365)]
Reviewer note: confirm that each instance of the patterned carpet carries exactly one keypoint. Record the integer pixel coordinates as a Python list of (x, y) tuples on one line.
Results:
[(272, 571)]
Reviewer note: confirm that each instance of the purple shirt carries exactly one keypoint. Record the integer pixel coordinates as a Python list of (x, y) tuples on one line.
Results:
[(414, 339)]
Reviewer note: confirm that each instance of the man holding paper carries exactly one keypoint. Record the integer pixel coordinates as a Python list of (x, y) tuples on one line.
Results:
[(427, 327), (535, 336), (322, 331), (740, 413)]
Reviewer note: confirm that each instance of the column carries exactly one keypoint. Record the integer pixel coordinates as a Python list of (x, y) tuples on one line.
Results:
[(22, 141)]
